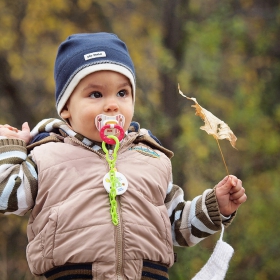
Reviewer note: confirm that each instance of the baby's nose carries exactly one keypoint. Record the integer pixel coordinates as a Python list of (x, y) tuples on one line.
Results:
[(111, 106)]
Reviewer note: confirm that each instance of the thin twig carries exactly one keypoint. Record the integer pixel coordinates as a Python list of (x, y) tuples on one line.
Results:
[(222, 155)]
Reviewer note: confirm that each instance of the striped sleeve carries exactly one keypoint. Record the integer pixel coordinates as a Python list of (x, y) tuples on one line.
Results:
[(193, 221), (18, 178)]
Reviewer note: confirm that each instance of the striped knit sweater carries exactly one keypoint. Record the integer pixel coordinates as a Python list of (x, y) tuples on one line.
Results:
[(191, 221)]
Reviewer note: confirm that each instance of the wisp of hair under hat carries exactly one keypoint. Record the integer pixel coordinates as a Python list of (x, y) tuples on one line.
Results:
[(82, 54)]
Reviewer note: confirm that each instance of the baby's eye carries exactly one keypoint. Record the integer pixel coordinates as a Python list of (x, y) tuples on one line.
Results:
[(122, 93), (95, 94)]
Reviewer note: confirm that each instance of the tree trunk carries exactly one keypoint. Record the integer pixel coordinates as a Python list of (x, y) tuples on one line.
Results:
[(175, 14)]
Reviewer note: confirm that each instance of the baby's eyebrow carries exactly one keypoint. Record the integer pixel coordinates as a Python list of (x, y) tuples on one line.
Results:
[(95, 86), (125, 84)]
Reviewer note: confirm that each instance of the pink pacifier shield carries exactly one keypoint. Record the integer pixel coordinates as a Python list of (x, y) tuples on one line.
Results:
[(110, 125), (102, 120)]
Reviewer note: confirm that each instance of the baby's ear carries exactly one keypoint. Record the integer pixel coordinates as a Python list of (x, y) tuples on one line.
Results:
[(65, 114)]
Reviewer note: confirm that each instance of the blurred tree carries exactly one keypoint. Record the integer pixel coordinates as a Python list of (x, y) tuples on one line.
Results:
[(174, 38)]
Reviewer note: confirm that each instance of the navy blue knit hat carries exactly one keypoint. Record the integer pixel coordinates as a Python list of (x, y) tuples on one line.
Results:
[(82, 54)]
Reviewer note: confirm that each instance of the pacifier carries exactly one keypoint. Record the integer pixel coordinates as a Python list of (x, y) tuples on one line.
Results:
[(110, 125)]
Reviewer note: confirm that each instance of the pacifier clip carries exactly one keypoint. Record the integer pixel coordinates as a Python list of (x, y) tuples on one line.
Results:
[(115, 183)]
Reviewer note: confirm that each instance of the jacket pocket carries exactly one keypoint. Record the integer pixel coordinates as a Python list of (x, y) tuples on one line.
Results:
[(49, 235), (40, 250), (167, 236)]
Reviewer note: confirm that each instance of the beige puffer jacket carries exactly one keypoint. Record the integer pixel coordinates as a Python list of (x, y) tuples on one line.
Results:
[(71, 221)]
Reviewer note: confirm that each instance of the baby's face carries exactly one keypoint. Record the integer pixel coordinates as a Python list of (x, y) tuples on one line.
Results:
[(102, 92)]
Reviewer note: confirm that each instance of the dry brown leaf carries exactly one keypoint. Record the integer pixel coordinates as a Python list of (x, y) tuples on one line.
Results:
[(213, 125)]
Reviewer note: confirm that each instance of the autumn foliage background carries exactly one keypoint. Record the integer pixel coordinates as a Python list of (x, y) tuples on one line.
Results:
[(224, 53)]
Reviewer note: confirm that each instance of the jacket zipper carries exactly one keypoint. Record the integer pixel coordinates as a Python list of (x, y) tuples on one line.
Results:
[(119, 243), (119, 238)]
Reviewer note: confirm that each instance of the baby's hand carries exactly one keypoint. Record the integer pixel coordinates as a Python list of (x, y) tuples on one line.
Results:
[(230, 195), (12, 132)]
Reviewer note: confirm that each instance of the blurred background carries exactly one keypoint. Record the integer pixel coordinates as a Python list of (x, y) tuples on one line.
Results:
[(224, 53)]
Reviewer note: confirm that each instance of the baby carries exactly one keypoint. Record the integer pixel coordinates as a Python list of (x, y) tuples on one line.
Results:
[(100, 190)]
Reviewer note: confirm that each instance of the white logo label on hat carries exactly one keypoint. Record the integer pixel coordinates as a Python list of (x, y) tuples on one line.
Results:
[(94, 55)]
